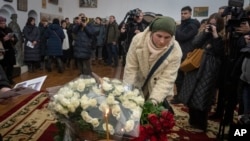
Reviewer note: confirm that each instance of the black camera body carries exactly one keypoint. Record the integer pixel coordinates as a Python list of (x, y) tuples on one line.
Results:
[(132, 14), (238, 15), (210, 28), (236, 3)]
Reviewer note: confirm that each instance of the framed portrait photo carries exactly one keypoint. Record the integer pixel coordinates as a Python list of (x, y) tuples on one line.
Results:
[(200, 12), (22, 5), (53, 2), (8, 0), (88, 3)]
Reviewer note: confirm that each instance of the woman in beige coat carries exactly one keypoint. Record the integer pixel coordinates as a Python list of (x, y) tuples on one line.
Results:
[(144, 51)]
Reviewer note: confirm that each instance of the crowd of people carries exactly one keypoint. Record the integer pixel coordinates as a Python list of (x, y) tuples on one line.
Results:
[(224, 68)]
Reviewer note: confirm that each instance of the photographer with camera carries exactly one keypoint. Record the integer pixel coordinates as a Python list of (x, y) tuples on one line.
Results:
[(199, 84), (134, 25), (84, 33)]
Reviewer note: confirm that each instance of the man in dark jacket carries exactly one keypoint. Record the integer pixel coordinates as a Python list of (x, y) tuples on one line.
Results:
[(8, 40), (185, 33)]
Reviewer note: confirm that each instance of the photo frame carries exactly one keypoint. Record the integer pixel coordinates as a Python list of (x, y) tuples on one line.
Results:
[(22, 5), (53, 2), (200, 12), (60, 9), (9, 0), (88, 3), (44, 4)]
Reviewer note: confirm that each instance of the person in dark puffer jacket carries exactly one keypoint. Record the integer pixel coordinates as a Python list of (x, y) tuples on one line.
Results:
[(55, 37), (82, 50)]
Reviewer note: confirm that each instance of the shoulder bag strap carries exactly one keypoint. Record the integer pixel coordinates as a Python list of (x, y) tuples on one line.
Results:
[(156, 65)]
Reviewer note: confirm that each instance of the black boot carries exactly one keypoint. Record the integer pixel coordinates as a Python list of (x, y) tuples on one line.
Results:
[(59, 65), (48, 64)]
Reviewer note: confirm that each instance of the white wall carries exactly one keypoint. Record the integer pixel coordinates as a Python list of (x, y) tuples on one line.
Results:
[(118, 8)]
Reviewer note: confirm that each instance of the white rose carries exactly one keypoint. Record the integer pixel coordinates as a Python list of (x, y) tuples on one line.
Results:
[(95, 122), (119, 89), (64, 101), (106, 79), (96, 90), (128, 104), (111, 100), (80, 87), (68, 93), (92, 102), (116, 81), (110, 128), (86, 117), (130, 94), (116, 111), (106, 86), (129, 126), (71, 108), (85, 104), (92, 81), (75, 102), (139, 100), (77, 95), (61, 109), (136, 114), (136, 91), (103, 107)]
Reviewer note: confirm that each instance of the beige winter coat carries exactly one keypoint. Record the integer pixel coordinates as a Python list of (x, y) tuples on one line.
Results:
[(137, 67)]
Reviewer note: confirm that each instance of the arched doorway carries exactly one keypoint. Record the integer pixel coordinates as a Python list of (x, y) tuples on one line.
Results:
[(6, 11), (33, 13)]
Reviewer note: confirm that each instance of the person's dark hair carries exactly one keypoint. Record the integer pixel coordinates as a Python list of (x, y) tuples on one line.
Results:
[(56, 21), (63, 21), (203, 21), (188, 8), (29, 20), (99, 18), (219, 21), (223, 7)]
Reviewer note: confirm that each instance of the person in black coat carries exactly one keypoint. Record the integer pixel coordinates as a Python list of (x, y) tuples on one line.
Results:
[(8, 39), (197, 91), (32, 55), (185, 33), (82, 49), (55, 36)]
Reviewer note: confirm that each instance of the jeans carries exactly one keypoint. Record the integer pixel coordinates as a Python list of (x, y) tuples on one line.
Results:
[(112, 54)]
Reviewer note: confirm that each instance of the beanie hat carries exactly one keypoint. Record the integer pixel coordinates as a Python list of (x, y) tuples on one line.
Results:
[(163, 23), (2, 19)]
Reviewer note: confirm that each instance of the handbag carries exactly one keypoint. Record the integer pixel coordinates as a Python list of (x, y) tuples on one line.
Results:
[(151, 72), (192, 61)]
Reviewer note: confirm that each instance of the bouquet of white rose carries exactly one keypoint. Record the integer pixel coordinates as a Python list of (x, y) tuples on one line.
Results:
[(109, 106)]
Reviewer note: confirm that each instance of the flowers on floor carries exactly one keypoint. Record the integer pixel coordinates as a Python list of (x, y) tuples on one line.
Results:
[(156, 123), (108, 106)]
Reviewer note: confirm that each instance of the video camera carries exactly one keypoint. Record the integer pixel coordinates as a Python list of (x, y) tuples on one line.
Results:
[(238, 15), (132, 14)]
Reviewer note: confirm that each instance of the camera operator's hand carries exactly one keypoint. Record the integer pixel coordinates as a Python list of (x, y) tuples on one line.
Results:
[(212, 28), (247, 39), (123, 30), (137, 31), (244, 28)]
